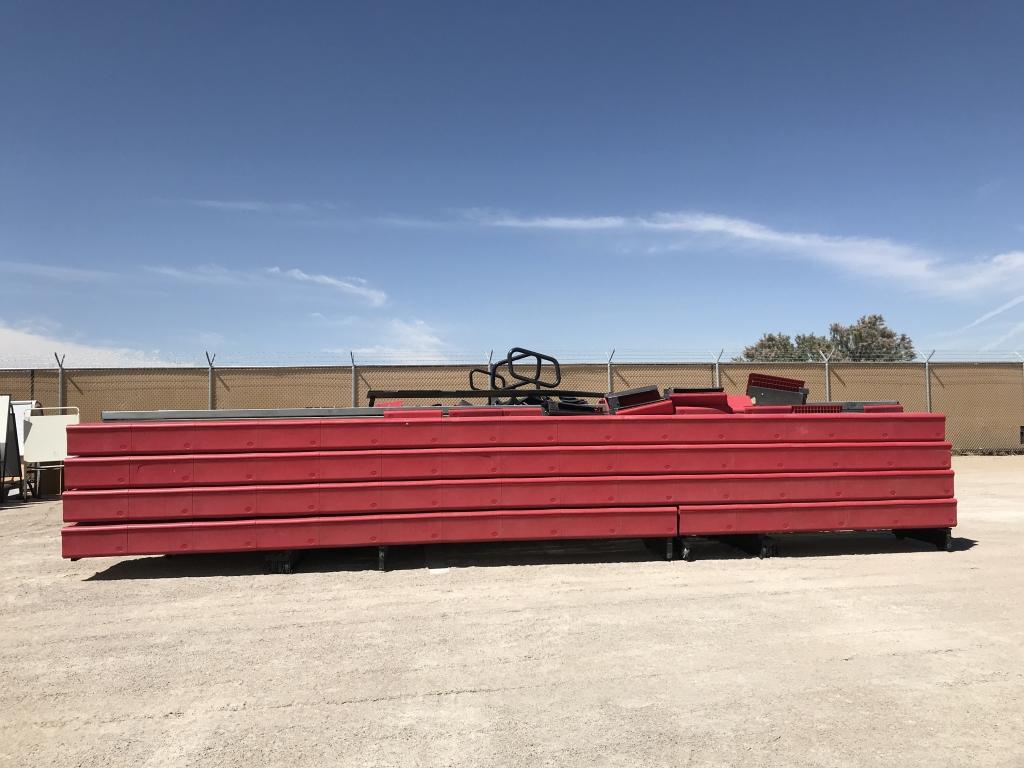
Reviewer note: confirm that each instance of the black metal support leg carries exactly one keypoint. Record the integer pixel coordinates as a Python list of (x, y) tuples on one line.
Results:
[(940, 538), (284, 561), (661, 547), (382, 558), (684, 544), (756, 544)]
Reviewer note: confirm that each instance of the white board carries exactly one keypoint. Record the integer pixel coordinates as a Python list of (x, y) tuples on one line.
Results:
[(10, 451), (22, 408), (46, 437)]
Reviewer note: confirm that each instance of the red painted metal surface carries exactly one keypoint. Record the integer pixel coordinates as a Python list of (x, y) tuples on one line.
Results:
[(457, 463), (816, 516), (450, 495), (370, 530), (419, 476), (507, 430)]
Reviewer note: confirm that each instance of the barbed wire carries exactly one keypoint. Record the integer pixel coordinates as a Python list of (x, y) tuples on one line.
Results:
[(363, 358)]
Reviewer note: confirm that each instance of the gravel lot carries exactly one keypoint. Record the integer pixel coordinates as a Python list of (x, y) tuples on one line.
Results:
[(845, 651)]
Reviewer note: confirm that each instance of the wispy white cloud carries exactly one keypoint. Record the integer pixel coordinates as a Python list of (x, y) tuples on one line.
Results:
[(28, 348), (993, 313), (264, 206), (204, 274), (918, 267), (342, 321), (56, 272), (1015, 330), (404, 340), (214, 274), (355, 286)]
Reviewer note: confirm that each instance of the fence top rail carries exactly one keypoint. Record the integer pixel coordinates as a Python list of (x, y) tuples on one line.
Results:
[(345, 365)]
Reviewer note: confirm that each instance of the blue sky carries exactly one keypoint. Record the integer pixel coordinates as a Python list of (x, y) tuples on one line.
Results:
[(286, 181)]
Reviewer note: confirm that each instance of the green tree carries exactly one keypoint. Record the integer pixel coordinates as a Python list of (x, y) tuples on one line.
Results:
[(867, 339), (870, 339)]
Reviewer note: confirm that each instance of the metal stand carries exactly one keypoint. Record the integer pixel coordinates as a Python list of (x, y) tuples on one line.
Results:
[(666, 548), (940, 538), (284, 561), (757, 544), (684, 544), (382, 558)]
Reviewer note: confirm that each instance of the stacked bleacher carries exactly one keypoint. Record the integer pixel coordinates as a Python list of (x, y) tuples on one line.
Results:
[(686, 464)]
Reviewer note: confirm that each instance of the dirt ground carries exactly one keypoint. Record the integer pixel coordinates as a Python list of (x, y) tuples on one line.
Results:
[(844, 651)]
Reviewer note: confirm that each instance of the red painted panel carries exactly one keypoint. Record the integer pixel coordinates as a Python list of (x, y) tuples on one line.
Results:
[(472, 432), (354, 465), (816, 516), (471, 494), (94, 506), (227, 502), (408, 465), (287, 467), (164, 437), (225, 469), (593, 461), (364, 531), (352, 498), (590, 491), (409, 528), (351, 434), (288, 435), (224, 536), (159, 538), (287, 500), (287, 534), (99, 439), (411, 433), (529, 462), (160, 504), (528, 430), (595, 430), (539, 492), (727, 489), (94, 540), (476, 462), (96, 472), (160, 471), (647, 460), (747, 428), (670, 489), (410, 496), (226, 436), (455, 463)]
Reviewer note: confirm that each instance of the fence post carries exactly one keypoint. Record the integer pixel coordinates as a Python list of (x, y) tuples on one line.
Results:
[(611, 378), (355, 380), (490, 358), (718, 372), (211, 382), (928, 380), (828, 378), (61, 388)]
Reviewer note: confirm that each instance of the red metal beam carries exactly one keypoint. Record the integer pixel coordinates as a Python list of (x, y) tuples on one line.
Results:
[(367, 530)]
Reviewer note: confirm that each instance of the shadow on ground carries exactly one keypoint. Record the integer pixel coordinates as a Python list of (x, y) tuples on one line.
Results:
[(500, 554)]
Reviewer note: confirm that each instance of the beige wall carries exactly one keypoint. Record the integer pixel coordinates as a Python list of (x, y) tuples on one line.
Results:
[(983, 402), (282, 387)]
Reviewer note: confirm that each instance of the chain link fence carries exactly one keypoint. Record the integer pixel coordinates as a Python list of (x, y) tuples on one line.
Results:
[(983, 401)]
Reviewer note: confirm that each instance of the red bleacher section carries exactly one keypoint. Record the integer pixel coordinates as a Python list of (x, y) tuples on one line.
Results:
[(481, 474)]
